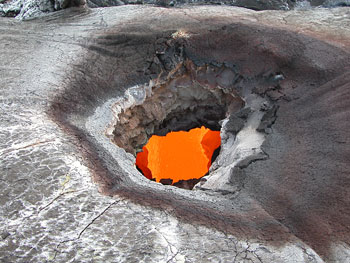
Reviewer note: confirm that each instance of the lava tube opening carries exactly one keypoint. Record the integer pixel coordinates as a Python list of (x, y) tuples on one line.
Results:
[(178, 156)]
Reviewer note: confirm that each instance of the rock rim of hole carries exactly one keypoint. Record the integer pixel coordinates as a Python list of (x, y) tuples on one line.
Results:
[(248, 116)]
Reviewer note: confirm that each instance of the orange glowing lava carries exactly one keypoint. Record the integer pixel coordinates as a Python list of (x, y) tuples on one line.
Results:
[(178, 155)]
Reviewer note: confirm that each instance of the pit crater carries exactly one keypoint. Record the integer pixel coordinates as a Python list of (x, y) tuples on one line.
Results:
[(275, 70), (189, 96)]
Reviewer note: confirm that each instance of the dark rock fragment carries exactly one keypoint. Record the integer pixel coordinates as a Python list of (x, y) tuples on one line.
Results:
[(235, 124), (268, 119), (187, 184), (5, 235), (237, 178), (263, 89), (244, 113), (104, 3), (237, 120), (336, 3), (166, 181)]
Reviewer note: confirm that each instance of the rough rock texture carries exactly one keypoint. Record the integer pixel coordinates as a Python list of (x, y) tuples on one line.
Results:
[(335, 3), (26, 9), (187, 99), (104, 3), (290, 207), (251, 4)]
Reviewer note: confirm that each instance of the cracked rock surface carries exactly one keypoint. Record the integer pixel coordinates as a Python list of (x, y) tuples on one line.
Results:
[(28, 9), (68, 194)]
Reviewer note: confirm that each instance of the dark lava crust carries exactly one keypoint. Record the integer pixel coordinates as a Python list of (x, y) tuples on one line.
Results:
[(300, 190)]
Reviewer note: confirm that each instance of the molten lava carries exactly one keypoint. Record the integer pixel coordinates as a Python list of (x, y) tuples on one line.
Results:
[(178, 155)]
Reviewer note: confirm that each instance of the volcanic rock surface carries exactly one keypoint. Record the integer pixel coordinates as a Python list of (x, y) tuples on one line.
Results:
[(70, 194), (29, 9)]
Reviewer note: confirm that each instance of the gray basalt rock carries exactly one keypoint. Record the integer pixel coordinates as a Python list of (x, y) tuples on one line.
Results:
[(105, 3), (336, 3), (10, 8), (251, 4), (268, 119), (236, 120), (26, 9), (68, 193), (31, 9)]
